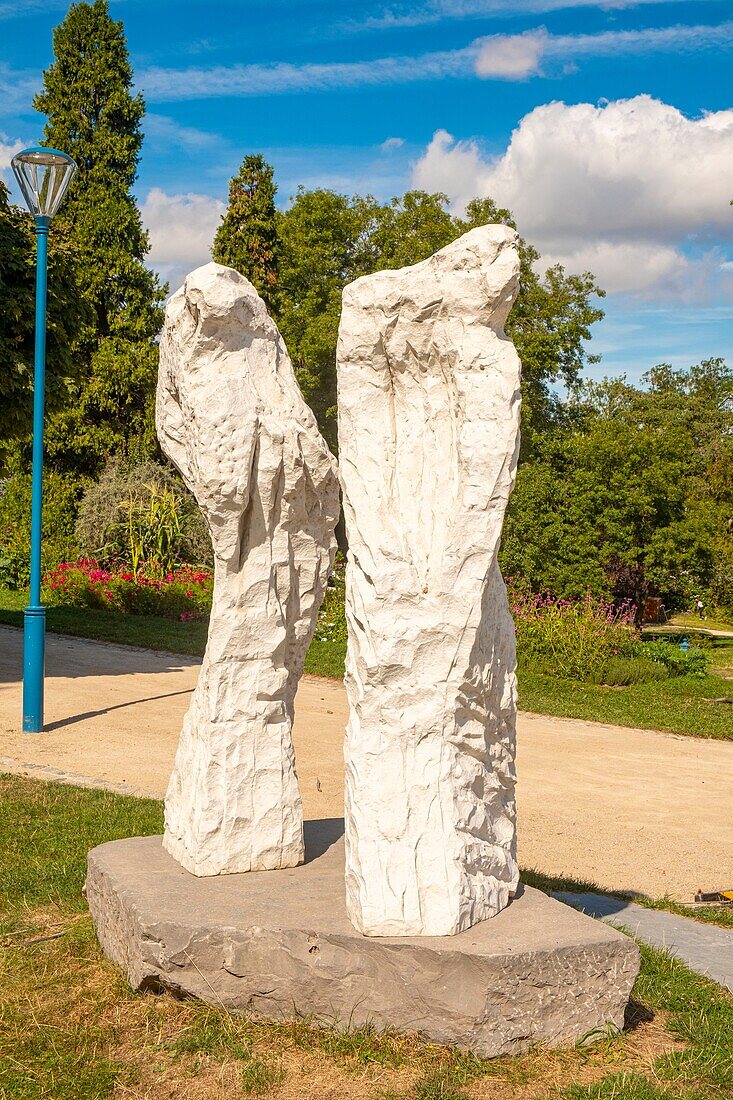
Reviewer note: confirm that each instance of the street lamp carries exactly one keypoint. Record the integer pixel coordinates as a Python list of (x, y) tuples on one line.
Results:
[(44, 176)]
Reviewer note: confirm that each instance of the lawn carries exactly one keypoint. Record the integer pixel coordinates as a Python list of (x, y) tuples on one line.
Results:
[(684, 705), (70, 1029)]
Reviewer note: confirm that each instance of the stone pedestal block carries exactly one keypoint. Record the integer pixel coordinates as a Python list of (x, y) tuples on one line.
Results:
[(273, 942)]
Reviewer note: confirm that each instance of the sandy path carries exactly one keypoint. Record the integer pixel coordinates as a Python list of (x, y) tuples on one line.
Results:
[(628, 809)]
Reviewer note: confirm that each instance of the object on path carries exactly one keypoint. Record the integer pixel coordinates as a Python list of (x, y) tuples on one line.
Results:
[(429, 396), (717, 897), (232, 419), (279, 944)]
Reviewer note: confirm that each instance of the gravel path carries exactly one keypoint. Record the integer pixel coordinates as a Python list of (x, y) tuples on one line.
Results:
[(629, 810)]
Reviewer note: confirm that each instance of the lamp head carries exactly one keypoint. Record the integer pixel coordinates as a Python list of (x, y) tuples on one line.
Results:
[(44, 176)]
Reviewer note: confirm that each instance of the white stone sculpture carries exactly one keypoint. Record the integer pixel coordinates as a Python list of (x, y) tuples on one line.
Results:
[(231, 417), (429, 396)]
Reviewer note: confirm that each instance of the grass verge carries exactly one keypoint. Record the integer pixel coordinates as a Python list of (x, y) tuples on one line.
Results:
[(70, 1029)]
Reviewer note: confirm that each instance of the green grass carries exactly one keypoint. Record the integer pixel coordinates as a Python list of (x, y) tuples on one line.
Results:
[(682, 704), (689, 621), (678, 705), (70, 1028)]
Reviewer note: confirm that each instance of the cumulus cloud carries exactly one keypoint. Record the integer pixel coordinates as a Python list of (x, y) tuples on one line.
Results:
[(181, 229), (630, 190), (8, 148)]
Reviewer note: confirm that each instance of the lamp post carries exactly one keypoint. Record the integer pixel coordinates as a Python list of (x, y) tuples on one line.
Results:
[(44, 176)]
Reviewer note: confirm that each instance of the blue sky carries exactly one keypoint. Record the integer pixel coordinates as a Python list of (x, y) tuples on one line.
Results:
[(606, 127)]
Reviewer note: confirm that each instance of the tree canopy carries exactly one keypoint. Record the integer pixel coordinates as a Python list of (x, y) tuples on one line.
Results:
[(68, 319), (93, 115), (330, 239), (247, 237), (634, 495)]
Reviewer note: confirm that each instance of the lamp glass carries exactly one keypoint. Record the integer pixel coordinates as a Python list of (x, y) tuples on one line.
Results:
[(44, 176)]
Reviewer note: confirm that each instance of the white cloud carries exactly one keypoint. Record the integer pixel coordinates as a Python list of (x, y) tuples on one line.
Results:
[(630, 190), (391, 144), (438, 11), (518, 56), (161, 84), (8, 148), (181, 229), (497, 56), (165, 129), (512, 56)]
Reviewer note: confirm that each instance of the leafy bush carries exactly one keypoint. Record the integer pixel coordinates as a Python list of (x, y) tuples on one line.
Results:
[(60, 497), (331, 625), (184, 594), (575, 639), (678, 662), (139, 512)]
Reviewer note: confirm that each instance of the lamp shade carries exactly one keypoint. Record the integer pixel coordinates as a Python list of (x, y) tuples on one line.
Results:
[(44, 176)]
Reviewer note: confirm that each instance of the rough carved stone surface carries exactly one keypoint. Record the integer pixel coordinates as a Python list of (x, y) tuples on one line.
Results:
[(280, 942), (231, 417), (429, 399)]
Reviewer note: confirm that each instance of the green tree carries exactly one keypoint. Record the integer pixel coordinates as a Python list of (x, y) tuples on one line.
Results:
[(634, 495), (67, 319), (247, 238), (94, 116), (330, 239)]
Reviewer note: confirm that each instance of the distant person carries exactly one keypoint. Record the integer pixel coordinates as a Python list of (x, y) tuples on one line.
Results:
[(700, 608)]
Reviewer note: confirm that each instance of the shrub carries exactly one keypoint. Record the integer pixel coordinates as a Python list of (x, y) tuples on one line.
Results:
[(574, 639), (678, 662), (138, 512), (624, 671), (60, 496), (184, 594), (331, 625)]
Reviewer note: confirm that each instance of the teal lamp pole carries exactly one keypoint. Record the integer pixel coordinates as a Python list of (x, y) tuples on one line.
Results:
[(43, 175)]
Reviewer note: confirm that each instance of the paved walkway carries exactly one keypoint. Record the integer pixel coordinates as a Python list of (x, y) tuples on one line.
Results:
[(624, 809), (705, 948)]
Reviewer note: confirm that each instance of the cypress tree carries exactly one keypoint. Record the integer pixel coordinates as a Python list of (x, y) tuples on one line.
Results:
[(247, 238), (93, 115)]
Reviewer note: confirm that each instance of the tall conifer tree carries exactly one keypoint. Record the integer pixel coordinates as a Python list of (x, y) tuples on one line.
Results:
[(247, 237), (94, 116)]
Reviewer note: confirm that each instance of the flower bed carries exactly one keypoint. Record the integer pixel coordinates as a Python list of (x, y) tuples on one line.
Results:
[(183, 594), (593, 640)]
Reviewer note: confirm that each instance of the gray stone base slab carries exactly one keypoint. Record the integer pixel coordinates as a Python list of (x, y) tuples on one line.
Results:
[(279, 942)]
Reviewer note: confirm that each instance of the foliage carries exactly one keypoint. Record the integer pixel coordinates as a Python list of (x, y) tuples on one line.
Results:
[(131, 493), (60, 496), (93, 115), (634, 496), (331, 625), (574, 639), (184, 594), (67, 316), (247, 237), (330, 239), (691, 662)]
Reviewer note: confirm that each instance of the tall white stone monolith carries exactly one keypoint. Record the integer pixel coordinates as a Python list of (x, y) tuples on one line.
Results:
[(429, 396), (231, 417)]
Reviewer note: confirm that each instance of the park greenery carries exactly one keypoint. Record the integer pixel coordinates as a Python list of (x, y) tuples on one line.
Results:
[(623, 492)]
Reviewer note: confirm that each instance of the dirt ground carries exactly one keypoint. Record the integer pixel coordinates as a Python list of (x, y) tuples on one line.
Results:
[(627, 809)]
